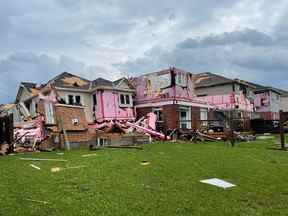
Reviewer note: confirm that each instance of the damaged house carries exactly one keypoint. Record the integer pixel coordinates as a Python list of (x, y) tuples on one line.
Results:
[(69, 111), (73, 107), (170, 95), (229, 96)]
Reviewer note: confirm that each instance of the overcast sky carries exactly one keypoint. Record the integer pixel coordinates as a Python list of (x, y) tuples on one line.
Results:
[(39, 39)]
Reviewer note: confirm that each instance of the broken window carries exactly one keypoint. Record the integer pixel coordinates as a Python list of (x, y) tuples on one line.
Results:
[(159, 114), (94, 99), (78, 100), (70, 99)]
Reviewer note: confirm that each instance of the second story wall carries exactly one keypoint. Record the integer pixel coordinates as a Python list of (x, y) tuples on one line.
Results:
[(284, 103), (74, 97), (267, 101), (166, 84), (112, 105)]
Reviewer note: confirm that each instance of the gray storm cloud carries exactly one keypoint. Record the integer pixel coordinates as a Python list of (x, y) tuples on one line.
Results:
[(90, 38)]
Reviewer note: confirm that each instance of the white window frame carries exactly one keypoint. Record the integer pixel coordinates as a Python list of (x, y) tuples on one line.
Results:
[(188, 120), (125, 102), (204, 116), (74, 99), (156, 109), (49, 113)]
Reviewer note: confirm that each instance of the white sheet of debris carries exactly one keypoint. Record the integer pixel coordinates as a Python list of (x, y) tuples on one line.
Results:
[(218, 182)]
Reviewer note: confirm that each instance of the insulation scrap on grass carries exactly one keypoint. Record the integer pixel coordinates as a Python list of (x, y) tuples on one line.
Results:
[(58, 169), (218, 183), (35, 167), (145, 163), (37, 201), (42, 159), (89, 155)]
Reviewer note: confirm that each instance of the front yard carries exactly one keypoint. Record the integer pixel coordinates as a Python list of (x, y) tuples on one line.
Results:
[(114, 182)]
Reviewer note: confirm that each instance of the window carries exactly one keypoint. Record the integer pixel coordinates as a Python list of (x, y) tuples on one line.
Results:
[(185, 117), (204, 116), (70, 99), (94, 99), (101, 142), (122, 99), (77, 100), (74, 100), (125, 99), (159, 114)]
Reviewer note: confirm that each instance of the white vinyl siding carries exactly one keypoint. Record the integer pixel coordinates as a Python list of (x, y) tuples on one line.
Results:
[(49, 113)]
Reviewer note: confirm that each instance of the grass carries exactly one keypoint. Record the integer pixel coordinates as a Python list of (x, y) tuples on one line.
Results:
[(115, 183)]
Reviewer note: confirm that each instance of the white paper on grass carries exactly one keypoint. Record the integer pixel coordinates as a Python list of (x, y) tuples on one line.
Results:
[(218, 183)]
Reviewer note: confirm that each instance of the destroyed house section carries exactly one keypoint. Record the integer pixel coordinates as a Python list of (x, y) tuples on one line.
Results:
[(164, 85), (113, 105)]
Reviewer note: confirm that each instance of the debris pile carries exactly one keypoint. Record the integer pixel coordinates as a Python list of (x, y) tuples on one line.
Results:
[(29, 135), (125, 133)]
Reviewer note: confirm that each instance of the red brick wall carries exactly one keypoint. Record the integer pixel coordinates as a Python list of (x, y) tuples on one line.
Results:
[(67, 114), (195, 117), (171, 116)]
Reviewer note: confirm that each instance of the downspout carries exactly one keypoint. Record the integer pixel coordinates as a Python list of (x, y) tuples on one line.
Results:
[(102, 105), (173, 83)]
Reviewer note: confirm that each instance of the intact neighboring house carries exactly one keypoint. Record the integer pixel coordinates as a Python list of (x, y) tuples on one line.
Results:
[(170, 95), (227, 95)]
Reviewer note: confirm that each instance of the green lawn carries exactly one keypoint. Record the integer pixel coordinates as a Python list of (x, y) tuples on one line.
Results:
[(115, 183)]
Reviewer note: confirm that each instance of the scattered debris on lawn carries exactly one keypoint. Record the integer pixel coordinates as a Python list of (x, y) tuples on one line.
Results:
[(127, 147), (89, 155), (4, 149), (35, 167), (60, 153), (196, 135), (42, 159), (58, 169), (265, 136), (38, 201), (244, 137), (145, 163), (218, 183)]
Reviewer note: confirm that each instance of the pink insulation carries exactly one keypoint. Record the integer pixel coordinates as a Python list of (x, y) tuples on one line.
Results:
[(108, 107), (37, 132), (159, 86), (229, 101)]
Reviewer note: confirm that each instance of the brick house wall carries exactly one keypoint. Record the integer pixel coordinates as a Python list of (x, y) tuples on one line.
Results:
[(195, 117), (67, 114), (171, 116)]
